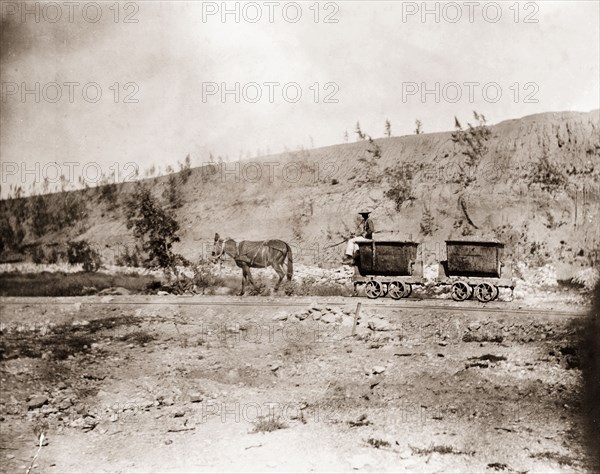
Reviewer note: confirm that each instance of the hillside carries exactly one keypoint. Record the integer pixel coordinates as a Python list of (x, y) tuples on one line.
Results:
[(536, 188)]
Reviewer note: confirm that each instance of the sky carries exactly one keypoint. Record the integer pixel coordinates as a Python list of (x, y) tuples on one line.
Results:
[(319, 67)]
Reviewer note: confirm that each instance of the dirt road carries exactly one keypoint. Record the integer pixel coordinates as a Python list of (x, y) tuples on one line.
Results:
[(163, 384)]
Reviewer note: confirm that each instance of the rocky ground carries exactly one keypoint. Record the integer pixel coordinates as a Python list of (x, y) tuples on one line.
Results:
[(157, 384)]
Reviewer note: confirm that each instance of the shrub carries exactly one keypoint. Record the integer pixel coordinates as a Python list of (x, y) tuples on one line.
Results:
[(37, 255), (155, 229), (127, 259), (400, 187), (428, 225), (82, 252), (204, 277)]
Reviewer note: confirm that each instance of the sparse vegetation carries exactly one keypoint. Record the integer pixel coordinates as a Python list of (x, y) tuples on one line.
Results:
[(547, 175), (472, 143), (378, 443), (419, 127), (68, 284), (204, 276), (400, 189), (359, 133), (428, 225), (172, 193), (82, 252), (439, 449), (266, 424), (561, 459), (388, 128)]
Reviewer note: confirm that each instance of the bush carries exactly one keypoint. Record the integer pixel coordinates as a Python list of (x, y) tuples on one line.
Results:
[(428, 225), (37, 255), (81, 252), (259, 289), (155, 229), (400, 180), (204, 277), (127, 259)]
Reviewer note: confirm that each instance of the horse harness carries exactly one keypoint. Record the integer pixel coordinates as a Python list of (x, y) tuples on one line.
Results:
[(237, 250)]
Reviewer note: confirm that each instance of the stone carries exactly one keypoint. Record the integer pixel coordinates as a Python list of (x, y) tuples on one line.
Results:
[(280, 316), (379, 325), (196, 397), (378, 369), (37, 401), (163, 293)]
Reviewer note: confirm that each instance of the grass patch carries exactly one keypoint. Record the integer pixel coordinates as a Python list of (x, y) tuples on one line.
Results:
[(561, 459), (378, 443), (67, 284), (139, 337), (439, 449), (266, 424), (489, 357), (58, 342)]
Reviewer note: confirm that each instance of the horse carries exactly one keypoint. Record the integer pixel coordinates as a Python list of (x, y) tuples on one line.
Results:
[(256, 254)]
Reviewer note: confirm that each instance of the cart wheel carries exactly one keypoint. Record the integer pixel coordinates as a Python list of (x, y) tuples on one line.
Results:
[(373, 289), (396, 289), (407, 290), (461, 291), (485, 292), (496, 293)]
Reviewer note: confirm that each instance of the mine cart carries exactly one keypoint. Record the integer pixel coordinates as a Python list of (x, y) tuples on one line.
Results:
[(475, 268), (388, 267)]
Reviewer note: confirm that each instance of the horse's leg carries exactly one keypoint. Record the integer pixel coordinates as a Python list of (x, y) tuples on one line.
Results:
[(243, 277), (277, 267), (250, 276)]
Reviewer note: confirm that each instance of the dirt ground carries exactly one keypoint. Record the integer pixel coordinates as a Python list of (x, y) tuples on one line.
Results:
[(157, 384)]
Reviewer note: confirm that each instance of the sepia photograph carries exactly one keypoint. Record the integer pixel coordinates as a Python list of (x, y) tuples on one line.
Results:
[(299, 236)]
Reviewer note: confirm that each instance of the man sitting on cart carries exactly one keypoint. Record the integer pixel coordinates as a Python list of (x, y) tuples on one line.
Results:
[(364, 234)]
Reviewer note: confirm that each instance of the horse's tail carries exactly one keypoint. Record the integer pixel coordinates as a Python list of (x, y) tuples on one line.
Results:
[(290, 262)]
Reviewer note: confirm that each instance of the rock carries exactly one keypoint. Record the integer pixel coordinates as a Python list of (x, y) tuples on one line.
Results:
[(302, 315), (280, 316), (37, 401), (378, 369), (178, 414), (163, 293), (196, 397), (61, 386), (275, 366), (119, 290), (65, 404), (379, 325)]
